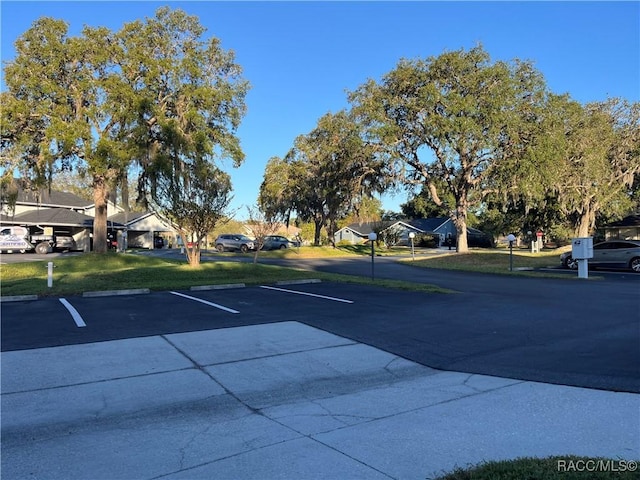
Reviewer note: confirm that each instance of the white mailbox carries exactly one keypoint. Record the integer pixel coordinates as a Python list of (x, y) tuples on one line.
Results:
[(582, 248)]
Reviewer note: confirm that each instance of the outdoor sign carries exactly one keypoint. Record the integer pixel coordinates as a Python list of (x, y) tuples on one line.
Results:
[(14, 242)]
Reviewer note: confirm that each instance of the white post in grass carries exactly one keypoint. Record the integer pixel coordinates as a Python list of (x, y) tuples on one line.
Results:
[(50, 274)]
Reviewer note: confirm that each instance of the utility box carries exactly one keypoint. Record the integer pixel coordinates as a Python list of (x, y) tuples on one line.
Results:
[(582, 248)]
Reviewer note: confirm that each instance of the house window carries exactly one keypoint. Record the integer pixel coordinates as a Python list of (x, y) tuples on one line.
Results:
[(629, 234)]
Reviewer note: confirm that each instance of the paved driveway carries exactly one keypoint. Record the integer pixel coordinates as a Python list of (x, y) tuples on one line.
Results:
[(317, 380), (558, 331)]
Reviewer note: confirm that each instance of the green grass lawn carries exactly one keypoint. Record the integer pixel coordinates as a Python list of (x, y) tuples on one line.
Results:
[(318, 252), (551, 468), (492, 261), (114, 271)]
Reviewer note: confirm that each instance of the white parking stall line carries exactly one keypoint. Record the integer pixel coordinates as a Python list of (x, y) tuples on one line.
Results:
[(308, 294), (74, 313), (211, 304)]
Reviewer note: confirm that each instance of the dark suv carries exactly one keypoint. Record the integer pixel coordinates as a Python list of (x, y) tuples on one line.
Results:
[(234, 241)]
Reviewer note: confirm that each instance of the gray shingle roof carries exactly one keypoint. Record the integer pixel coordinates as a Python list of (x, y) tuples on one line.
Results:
[(130, 217), (368, 227), (630, 221), (52, 198), (50, 216), (428, 224)]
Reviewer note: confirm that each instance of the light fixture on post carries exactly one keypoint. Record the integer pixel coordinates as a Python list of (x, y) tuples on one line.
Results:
[(412, 235), (511, 238), (372, 238)]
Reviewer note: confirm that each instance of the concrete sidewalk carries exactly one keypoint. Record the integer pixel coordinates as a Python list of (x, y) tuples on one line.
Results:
[(282, 401)]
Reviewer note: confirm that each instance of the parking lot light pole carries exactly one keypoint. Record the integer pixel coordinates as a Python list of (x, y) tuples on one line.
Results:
[(411, 237), (372, 239), (511, 238)]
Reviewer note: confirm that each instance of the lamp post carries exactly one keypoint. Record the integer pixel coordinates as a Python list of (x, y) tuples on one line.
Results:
[(372, 239), (511, 238), (411, 237)]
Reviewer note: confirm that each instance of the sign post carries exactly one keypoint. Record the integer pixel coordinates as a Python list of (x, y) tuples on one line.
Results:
[(539, 241)]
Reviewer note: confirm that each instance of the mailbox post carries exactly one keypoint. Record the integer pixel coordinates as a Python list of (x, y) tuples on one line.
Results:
[(582, 251)]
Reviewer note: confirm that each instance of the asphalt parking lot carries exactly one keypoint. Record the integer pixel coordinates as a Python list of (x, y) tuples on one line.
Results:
[(568, 337), (320, 380)]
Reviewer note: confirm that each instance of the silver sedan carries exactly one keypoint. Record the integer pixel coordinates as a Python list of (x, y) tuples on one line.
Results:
[(610, 254)]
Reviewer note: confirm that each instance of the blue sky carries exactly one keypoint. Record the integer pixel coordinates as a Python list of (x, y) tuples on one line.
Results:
[(302, 57)]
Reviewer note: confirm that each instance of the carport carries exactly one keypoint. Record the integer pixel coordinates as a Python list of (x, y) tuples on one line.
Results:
[(60, 221)]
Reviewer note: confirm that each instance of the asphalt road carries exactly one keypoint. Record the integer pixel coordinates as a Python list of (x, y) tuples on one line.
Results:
[(571, 332)]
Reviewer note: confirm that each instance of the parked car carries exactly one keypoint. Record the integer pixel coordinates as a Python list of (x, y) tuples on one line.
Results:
[(234, 241), (158, 242), (275, 242), (609, 254), (65, 243)]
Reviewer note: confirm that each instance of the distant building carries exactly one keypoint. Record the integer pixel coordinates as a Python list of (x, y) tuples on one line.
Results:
[(626, 229), (441, 229), (67, 214)]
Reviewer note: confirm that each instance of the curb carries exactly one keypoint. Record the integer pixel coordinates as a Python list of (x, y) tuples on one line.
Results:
[(18, 298), (298, 282), (108, 293), (142, 291), (217, 287)]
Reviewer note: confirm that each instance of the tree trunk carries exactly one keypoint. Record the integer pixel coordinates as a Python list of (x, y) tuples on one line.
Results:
[(193, 255), (100, 195), (316, 235), (462, 245), (586, 221), (331, 232), (193, 252), (124, 192)]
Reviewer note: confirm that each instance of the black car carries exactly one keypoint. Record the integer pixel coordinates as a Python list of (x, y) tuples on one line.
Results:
[(158, 242)]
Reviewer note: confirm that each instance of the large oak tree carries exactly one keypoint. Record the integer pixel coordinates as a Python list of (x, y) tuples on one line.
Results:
[(60, 110), (581, 166), (100, 101), (451, 120), (323, 175)]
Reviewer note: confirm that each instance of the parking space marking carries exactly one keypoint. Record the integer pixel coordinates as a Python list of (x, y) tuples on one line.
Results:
[(74, 313), (211, 304), (308, 294)]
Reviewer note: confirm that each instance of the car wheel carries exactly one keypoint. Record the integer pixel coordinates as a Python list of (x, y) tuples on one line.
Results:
[(244, 248), (571, 263), (283, 246), (634, 264), (43, 248), (220, 247)]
